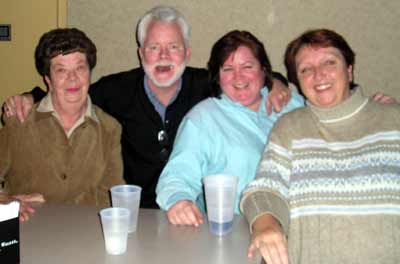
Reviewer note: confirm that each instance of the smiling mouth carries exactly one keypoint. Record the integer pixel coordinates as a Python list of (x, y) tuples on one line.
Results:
[(164, 68), (240, 86), (72, 90), (323, 87)]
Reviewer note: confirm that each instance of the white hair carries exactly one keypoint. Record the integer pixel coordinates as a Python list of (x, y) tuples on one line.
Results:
[(166, 14)]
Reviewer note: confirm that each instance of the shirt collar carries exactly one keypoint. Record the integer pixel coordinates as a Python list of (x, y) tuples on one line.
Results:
[(46, 105), (158, 106)]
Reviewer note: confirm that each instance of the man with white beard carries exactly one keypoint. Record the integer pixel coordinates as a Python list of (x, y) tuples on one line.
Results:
[(151, 101)]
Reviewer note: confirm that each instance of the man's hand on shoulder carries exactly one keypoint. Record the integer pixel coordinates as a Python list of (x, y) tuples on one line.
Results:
[(18, 105)]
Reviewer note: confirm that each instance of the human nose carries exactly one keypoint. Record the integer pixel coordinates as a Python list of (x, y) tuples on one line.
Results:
[(319, 73), (164, 52), (238, 76), (72, 75)]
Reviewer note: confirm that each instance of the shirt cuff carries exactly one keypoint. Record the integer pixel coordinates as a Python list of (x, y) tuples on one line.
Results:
[(176, 197)]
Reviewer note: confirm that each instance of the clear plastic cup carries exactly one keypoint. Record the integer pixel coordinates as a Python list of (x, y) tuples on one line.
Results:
[(127, 196), (115, 223), (220, 193)]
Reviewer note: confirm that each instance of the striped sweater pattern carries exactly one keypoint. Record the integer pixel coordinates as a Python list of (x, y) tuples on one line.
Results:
[(332, 179)]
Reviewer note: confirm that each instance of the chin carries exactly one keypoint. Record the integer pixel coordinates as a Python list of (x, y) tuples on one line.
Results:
[(163, 82)]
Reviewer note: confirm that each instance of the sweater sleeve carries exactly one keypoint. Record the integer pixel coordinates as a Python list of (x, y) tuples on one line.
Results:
[(181, 177), (269, 191)]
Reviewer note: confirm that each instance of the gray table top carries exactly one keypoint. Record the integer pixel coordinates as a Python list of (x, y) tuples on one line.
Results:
[(72, 234)]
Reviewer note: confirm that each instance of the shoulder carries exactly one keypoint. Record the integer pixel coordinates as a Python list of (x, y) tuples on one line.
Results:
[(127, 77), (13, 122), (385, 113), (199, 73), (295, 101), (205, 113), (293, 120), (109, 123), (389, 108), (195, 77), (204, 108)]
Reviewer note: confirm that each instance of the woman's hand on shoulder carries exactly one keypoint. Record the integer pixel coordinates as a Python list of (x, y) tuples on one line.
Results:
[(185, 213), (382, 98), (278, 97), (269, 239)]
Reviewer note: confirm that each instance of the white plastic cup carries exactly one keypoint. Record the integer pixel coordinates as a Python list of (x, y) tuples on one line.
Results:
[(115, 223), (220, 192), (127, 196)]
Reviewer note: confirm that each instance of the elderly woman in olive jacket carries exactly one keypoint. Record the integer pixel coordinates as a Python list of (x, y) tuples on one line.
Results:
[(68, 149)]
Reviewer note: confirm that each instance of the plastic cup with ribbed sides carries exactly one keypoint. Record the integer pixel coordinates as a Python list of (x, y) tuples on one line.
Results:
[(220, 190), (127, 196), (115, 222)]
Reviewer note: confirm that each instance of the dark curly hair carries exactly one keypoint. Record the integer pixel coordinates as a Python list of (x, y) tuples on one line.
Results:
[(316, 38), (229, 43), (63, 41)]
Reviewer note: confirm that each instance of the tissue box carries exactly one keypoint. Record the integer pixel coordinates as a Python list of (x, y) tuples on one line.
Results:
[(9, 241)]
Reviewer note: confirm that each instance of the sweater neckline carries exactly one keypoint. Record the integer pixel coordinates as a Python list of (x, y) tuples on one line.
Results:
[(347, 109)]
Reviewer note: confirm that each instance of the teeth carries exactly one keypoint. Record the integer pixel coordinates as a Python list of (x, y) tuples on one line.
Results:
[(164, 68), (322, 87), (240, 86)]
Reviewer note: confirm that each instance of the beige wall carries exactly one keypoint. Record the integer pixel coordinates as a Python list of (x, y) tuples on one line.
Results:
[(29, 19), (370, 26)]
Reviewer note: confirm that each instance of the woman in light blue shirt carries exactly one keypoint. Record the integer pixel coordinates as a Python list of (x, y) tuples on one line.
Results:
[(223, 134)]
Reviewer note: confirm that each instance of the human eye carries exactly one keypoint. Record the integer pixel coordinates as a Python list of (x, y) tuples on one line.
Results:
[(82, 67), (226, 69), (330, 62), (248, 66), (60, 70), (174, 47), (153, 47), (305, 70)]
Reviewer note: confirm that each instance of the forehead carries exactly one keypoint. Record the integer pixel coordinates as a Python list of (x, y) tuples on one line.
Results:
[(161, 31), (74, 57), (241, 55), (310, 53)]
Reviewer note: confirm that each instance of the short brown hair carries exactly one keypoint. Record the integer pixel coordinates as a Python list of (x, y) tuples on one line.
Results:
[(63, 41), (229, 43), (316, 38)]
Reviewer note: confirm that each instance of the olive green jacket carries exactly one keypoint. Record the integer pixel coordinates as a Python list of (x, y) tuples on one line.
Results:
[(37, 156)]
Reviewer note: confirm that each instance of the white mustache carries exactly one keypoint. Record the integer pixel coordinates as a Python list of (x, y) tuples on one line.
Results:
[(164, 63)]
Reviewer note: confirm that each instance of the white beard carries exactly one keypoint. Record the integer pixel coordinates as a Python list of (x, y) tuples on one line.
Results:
[(179, 69)]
